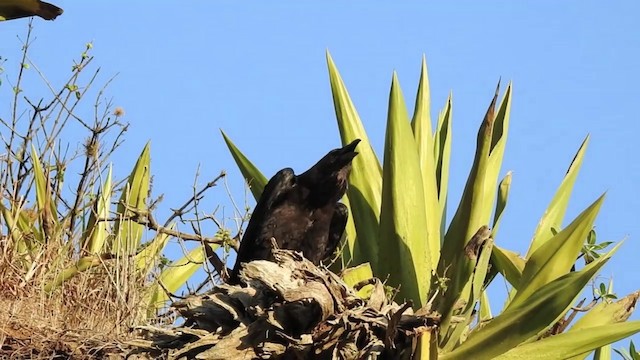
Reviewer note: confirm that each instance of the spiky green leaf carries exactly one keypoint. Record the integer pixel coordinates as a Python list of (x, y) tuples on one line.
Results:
[(553, 216), (421, 125), (256, 180), (556, 257), (521, 322), (575, 343), (403, 217), (97, 231), (133, 203), (174, 277), (365, 181)]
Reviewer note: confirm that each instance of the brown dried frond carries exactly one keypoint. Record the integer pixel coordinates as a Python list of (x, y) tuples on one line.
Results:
[(290, 309)]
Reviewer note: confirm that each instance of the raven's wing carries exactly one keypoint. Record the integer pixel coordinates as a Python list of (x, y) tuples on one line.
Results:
[(336, 229), (250, 248)]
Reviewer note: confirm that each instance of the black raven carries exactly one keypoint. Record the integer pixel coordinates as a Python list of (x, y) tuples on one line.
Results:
[(301, 212)]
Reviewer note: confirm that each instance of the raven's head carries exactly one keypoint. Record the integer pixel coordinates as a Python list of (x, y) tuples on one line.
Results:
[(329, 176)]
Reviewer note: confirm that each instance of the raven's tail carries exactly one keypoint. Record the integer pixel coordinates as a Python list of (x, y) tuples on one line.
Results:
[(48, 11)]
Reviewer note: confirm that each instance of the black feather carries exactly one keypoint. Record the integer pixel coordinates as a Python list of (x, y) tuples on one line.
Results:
[(301, 212)]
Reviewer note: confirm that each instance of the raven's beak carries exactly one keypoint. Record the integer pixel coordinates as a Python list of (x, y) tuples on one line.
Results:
[(350, 147), (347, 153)]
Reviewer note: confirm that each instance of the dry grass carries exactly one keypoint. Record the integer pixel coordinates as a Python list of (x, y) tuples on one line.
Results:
[(88, 317)]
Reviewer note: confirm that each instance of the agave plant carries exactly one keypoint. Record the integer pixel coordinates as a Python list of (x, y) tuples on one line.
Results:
[(398, 216)]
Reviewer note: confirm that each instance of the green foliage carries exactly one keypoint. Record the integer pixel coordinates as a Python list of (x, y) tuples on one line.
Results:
[(631, 354), (398, 216), (133, 202), (403, 241)]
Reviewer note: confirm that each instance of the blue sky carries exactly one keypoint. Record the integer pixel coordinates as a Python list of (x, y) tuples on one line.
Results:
[(187, 69)]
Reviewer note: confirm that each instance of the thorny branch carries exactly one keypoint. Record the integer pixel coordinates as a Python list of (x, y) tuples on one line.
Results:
[(92, 156), (144, 217), (185, 207), (147, 219)]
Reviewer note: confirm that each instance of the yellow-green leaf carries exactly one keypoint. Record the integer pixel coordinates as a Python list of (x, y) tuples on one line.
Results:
[(175, 276), (442, 151), (354, 275), (471, 294), (95, 236), (402, 217), (134, 196), (484, 314), (421, 124), (351, 253), (474, 211), (256, 180), (556, 257), (83, 264), (509, 264), (567, 345), (365, 181), (525, 320), (501, 202), (46, 207), (40, 179), (148, 257), (552, 219)]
